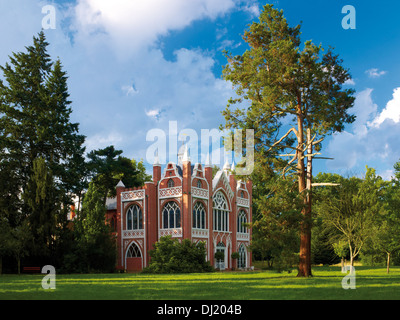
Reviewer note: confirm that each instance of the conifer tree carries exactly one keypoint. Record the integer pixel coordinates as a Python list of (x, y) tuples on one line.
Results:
[(35, 116), (37, 139), (281, 82), (43, 207), (107, 167)]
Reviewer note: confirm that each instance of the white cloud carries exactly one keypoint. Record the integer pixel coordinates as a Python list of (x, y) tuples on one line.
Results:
[(365, 110), (117, 101), (350, 82), (392, 110), (100, 140), (155, 113), (253, 9), (375, 73), (152, 113), (228, 44), (132, 25), (387, 174), (221, 32), (371, 139), (130, 90)]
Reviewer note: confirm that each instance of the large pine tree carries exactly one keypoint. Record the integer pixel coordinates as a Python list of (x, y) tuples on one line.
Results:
[(35, 124), (288, 83)]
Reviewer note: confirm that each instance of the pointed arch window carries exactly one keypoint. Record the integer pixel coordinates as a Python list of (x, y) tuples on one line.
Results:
[(242, 256), (242, 219), (199, 185), (220, 212), (134, 218), (199, 216), (134, 251), (221, 263), (171, 216)]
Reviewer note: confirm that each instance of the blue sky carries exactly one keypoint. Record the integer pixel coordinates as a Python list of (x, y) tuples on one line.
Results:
[(135, 66)]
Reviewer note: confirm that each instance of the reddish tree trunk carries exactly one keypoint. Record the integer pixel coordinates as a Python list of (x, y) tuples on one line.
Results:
[(305, 178)]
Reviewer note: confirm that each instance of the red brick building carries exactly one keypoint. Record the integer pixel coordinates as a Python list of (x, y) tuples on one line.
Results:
[(186, 202)]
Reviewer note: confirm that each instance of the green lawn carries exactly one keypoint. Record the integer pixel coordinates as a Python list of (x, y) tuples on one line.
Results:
[(371, 283)]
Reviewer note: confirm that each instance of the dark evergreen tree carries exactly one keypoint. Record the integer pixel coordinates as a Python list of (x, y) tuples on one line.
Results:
[(107, 167), (37, 139), (44, 207), (35, 117)]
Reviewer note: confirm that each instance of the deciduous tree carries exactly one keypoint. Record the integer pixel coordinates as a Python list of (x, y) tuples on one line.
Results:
[(96, 243), (387, 239), (355, 210)]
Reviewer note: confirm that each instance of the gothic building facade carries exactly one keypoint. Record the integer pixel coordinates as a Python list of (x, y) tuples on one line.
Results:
[(185, 202)]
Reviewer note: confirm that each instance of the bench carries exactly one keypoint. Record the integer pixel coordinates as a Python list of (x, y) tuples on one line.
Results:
[(32, 269)]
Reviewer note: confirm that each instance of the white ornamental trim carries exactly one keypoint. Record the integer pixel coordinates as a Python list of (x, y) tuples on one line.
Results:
[(133, 234), (200, 233), (242, 236), (242, 202), (132, 195), (177, 232), (222, 176), (200, 193), (170, 192)]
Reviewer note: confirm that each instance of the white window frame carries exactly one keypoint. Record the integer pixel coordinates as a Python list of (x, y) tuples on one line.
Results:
[(133, 251), (177, 216), (242, 261), (199, 213), (220, 212), (139, 217), (242, 218)]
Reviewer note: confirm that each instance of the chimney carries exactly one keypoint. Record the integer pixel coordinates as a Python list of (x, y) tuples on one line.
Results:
[(186, 195), (156, 170)]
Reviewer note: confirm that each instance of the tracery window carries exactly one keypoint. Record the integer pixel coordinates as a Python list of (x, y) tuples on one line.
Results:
[(171, 216), (220, 263), (242, 218), (220, 212), (199, 216), (133, 251), (134, 218), (242, 257), (199, 185)]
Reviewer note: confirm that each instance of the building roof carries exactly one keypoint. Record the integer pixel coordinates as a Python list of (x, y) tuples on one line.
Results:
[(111, 203)]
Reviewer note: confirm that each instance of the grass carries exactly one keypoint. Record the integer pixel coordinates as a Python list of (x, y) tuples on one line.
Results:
[(326, 283)]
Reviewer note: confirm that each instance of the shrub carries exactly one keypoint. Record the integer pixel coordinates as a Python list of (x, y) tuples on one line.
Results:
[(171, 256), (219, 255), (235, 255)]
